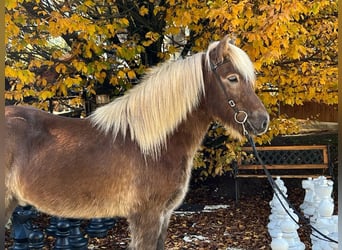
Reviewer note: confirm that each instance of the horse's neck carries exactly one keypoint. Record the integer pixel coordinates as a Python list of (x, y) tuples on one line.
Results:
[(189, 135)]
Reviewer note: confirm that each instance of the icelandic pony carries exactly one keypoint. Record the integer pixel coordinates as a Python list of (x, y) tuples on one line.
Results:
[(131, 158)]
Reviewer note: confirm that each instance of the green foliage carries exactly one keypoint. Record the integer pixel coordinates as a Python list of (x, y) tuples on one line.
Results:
[(55, 48)]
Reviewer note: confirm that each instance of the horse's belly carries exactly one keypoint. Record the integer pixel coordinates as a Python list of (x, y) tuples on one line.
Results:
[(78, 203), (79, 209)]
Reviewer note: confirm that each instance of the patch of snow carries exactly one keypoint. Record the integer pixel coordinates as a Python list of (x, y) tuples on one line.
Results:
[(183, 213), (191, 238), (210, 208), (206, 209)]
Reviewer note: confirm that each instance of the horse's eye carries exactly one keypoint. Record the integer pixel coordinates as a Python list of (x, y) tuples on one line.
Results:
[(233, 78)]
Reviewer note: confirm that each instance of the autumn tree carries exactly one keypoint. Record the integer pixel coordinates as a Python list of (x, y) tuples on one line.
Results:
[(57, 48)]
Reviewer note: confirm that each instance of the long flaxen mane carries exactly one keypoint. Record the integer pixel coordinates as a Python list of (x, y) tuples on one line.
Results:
[(152, 110)]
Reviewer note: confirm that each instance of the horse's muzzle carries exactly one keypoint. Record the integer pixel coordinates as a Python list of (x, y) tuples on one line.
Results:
[(258, 123)]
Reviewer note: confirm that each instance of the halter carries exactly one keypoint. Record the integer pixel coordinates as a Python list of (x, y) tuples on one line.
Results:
[(241, 117)]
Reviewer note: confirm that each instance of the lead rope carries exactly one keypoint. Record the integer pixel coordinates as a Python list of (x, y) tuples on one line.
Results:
[(241, 117)]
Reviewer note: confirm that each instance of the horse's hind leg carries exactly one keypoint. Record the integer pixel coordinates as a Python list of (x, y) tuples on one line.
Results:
[(145, 229)]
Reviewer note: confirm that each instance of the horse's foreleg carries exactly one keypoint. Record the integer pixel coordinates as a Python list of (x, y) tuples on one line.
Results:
[(145, 229), (163, 232)]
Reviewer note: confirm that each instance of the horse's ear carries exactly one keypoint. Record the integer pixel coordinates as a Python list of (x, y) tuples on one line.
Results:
[(224, 45), (221, 50), (232, 40), (227, 39)]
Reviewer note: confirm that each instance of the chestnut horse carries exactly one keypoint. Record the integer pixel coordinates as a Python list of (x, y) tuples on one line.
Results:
[(131, 158)]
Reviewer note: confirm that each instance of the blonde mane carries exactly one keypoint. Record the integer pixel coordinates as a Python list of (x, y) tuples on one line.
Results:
[(152, 110)]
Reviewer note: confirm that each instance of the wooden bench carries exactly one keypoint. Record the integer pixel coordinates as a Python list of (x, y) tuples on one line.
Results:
[(286, 162)]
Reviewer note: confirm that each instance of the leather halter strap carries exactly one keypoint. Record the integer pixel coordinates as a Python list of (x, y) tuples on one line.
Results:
[(240, 116)]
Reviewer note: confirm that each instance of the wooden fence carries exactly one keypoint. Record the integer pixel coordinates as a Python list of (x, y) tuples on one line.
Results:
[(311, 110)]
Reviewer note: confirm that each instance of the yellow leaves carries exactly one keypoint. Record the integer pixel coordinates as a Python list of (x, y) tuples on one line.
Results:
[(87, 52), (296, 50), (143, 11), (14, 95), (57, 24), (147, 43), (311, 93), (152, 37), (249, 13), (70, 81), (305, 67), (100, 76), (112, 28), (186, 18), (173, 30), (63, 89), (80, 66), (157, 9), (61, 68), (89, 3), (43, 82), (121, 74), (45, 94), (23, 76), (257, 65), (90, 48), (35, 63), (12, 30), (113, 80), (124, 22), (131, 74), (91, 29), (10, 4), (10, 72), (128, 52)]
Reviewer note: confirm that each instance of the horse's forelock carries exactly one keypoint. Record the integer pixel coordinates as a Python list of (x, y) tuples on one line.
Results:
[(242, 63), (239, 59)]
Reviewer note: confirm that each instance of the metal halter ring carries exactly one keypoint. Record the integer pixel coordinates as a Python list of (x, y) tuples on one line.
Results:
[(244, 117), (242, 122), (237, 112)]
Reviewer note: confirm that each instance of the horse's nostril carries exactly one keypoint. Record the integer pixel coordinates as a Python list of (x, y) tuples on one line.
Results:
[(264, 124)]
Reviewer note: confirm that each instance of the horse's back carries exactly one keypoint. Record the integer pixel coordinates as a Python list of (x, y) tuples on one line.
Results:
[(30, 116), (17, 117)]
